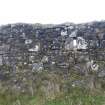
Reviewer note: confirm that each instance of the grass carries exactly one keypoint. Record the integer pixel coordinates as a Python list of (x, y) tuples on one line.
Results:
[(81, 100), (78, 97), (75, 97)]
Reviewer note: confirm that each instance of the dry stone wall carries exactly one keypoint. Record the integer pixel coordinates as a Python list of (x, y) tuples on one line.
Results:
[(29, 48)]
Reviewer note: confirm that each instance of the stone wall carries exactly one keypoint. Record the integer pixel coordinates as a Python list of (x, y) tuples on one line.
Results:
[(29, 48)]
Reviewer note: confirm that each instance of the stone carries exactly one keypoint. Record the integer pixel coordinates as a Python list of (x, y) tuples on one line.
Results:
[(45, 59), (81, 43), (64, 33), (28, 41), (73, 34), (37, 67), (1, 60), (101, 74), (69, 44), (78, 83), (35, 49)]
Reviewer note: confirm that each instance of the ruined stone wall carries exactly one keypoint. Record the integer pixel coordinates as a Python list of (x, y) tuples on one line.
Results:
[(28, 48), (23, 42)]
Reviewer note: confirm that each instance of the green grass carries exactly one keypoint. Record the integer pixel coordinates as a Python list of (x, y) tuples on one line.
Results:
[(78, 100), (75, 97), (86, 100)]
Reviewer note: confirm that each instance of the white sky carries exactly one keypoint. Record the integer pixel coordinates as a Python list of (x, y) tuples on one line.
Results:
[(51, 11)]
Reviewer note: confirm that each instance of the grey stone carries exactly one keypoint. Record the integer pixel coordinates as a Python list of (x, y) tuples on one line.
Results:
[(73, 34), (37, 67), (101, 74)]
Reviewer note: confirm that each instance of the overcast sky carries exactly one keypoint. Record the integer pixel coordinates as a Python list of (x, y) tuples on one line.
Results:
[(51, 11)]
